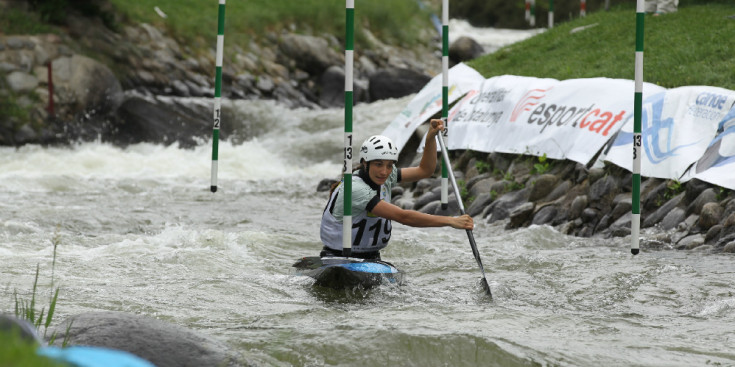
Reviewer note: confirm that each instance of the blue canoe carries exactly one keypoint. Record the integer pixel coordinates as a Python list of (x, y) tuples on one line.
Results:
[(348, 272)]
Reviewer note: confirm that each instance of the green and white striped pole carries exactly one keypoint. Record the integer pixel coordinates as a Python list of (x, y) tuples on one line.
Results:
[(445, 99), (347, 168), (551, 14), (218, 91), (637, 137), (533, 13)]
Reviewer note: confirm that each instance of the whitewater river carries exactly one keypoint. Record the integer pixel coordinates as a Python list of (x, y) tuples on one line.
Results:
[(137, 230)]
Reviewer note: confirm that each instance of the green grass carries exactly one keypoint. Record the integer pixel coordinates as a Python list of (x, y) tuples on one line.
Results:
[(15, 351), (394, 21), (14, 21), (690, 47)]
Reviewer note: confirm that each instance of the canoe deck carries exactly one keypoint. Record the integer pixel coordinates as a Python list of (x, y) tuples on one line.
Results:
[(347, 272)]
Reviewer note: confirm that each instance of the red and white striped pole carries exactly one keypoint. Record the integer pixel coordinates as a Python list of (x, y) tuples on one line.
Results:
[(583, 8)]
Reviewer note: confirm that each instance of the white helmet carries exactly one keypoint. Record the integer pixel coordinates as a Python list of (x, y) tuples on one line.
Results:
[(378, 147)]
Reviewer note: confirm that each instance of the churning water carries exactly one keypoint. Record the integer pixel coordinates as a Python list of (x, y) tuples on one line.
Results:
[(137, 230)]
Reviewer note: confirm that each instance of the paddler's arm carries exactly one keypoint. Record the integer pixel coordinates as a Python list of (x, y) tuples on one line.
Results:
[(417, 219), (427, 166)]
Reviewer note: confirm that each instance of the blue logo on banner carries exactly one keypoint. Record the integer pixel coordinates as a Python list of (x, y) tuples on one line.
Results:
[(654, 131), (712, 157)]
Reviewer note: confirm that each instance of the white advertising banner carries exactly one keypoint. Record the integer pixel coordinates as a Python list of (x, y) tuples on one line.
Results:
[(677, 126), (569, 119), (428, 102), (717, 164)]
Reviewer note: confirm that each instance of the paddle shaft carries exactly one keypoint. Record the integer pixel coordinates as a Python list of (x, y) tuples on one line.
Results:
[(470, 235)]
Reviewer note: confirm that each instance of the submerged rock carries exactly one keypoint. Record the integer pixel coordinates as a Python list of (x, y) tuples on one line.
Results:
[(163, 344)]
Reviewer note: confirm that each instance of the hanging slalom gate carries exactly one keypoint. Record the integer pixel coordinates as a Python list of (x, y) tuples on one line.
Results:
[(217, 93)]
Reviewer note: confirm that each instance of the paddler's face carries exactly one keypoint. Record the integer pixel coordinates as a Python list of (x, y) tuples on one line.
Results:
[(379, 170)]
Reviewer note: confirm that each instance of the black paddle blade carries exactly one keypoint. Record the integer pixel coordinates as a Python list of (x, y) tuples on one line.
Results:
[(486, 287)]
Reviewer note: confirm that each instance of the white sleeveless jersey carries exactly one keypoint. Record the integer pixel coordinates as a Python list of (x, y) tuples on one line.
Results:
[(369, 232)]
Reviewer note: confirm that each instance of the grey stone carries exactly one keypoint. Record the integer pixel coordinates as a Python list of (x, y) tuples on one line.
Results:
[(702, 248), (546, 215), (622, 226), (713, 233), (652, 196), (542, 186), (311, 54), (710, 215), (595, 174), (20, 81), (163, 344), (578, 205), (673, 218), (479, 204), (325, 184), (430, 208), (580, 173), (15, 43), (471, 181), (499, 161), (729, 209), (659, 214), (707, 196), (590, 215), (428, 197), (559, 191), (500, 208), (25, 134), (605, 189), (394, 82), (483, 186), (464, 49), (8, 67), (92, 83), (180, 88), (520, 215), (690, 242), (452, 207), (265, 84), (694, 188), (622, 206), (425, 184)]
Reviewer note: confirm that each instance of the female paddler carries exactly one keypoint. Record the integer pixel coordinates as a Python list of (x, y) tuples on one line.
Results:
[(372, 211)]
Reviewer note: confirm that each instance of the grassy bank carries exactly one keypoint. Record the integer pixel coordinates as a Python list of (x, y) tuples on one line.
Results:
[(690, 47), (397, 22)]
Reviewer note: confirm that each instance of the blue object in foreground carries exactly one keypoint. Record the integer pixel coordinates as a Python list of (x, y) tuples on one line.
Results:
[(81, 356)]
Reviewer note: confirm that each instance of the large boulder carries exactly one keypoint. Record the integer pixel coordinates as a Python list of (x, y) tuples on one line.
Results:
[(163, 344), (141, 119), (309, 53), (464, 49), (395, 83), (86, 85)]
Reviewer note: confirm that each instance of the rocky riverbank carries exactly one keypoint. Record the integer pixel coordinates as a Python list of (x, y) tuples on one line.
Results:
[(581, 201), (574, 199), (112, 85)]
